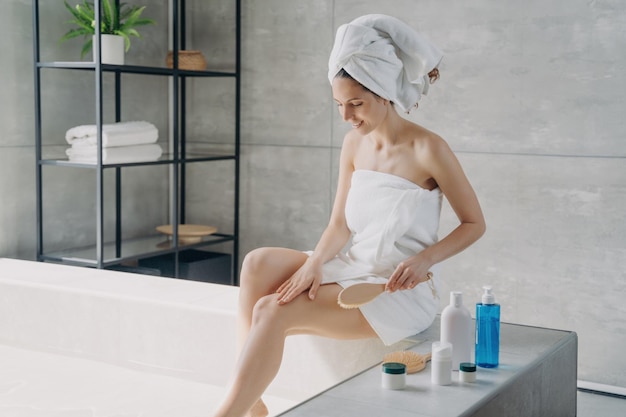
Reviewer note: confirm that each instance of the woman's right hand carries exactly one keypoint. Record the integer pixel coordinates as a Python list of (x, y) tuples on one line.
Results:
[(307, 277)]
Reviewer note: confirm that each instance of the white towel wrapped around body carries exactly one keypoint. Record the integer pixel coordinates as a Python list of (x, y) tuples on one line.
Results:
[(114, 134), (391, 219), (386, 56), (117, 155)]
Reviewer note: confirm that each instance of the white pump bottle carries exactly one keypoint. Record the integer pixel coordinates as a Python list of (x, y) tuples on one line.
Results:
[(456, 328)]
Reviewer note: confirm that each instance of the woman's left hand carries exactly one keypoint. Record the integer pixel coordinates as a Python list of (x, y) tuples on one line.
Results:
[(408, 275)]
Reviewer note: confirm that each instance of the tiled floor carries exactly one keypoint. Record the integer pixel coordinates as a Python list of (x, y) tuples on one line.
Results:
[(596, 405)]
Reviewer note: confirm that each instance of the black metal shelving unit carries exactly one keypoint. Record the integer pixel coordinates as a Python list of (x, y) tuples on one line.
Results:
[(108, 254)]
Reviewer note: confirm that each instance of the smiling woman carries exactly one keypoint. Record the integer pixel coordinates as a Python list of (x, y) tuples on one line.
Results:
[(529, 99), (393, 175)]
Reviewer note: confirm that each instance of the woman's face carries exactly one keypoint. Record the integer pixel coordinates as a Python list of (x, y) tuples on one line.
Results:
[(358, 106)]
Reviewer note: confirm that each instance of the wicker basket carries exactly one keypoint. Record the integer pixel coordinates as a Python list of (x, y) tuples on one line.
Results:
[(187, 60)]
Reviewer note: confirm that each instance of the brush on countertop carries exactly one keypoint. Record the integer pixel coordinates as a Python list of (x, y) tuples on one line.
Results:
[(414, 361)]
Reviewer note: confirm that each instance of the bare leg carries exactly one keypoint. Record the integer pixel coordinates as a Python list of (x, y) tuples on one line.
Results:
[(263, 271), (270, 325)]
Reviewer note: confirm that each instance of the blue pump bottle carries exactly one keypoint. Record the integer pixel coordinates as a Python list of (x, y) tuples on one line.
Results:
[(487, 330)]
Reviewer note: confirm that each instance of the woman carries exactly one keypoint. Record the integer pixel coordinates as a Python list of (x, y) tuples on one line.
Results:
[(392, 176)]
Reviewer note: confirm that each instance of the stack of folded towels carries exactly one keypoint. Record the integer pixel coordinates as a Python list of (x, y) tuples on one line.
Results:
[(122, 142)]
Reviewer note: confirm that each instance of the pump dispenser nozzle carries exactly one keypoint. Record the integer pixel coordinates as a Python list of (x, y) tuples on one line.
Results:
[(488, 297), (456, 298)]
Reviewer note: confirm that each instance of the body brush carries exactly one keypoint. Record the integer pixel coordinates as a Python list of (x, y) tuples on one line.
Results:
[(357, 295)]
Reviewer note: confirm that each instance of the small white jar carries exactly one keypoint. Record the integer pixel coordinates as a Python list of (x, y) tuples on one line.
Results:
[(394, 375), (467, 372)]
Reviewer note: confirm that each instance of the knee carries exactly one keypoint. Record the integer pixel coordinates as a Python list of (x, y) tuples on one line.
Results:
[(252, 265), (267, 310), (254, 258)]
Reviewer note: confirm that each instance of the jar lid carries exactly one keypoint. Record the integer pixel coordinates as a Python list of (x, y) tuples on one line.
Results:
[(467, 367), (394, 368)]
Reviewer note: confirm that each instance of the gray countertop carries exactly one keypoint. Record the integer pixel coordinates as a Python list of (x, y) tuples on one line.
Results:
[(523, 352)]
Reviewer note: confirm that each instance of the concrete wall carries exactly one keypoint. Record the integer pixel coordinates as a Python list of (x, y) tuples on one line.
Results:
[(531, 99), (67, 100)]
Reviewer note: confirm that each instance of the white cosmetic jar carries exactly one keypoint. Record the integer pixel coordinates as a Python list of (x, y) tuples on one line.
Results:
[(394, 375), (467, 372)]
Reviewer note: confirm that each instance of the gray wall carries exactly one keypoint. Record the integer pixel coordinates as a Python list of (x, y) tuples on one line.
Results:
[(530, 98)]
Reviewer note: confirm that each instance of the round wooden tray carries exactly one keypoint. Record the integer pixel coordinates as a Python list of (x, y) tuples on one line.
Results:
[(188, 233)]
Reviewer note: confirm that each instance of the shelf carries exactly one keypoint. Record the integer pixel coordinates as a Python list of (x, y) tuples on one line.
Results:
[(182, 144), (136, 69), (165, 159), (196, 152), (130, 250)]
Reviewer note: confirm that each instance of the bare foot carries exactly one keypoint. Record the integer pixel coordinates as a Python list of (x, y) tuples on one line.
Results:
[(258, 410)]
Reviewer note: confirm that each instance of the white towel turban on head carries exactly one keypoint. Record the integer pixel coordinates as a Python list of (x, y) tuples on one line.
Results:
[(386, 56)]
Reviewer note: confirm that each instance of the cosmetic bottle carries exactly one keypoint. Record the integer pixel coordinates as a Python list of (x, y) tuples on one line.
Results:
[(456, 328), (441, 363), (487, 330)]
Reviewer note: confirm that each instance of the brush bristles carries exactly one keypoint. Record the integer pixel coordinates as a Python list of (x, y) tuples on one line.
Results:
[(414, 361), (347, 306)]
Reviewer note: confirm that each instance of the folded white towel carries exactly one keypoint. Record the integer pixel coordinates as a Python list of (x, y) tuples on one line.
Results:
[(385, 55), (114, 134), (116, 155)]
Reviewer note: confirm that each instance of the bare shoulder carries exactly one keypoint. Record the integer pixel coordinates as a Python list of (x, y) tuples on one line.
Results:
[(351, 142), (351, 139), (429, 145)]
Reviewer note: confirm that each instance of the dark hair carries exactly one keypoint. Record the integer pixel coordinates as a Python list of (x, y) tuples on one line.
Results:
[(433, 76), (344, 74)]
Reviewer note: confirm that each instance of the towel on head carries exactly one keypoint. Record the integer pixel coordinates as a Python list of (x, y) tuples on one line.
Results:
[(386, 56)]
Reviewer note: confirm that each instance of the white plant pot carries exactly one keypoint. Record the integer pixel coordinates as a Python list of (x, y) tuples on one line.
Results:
[(112, 49)]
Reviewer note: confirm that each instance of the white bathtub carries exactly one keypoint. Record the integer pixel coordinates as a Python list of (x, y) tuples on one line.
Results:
[(79, 342)]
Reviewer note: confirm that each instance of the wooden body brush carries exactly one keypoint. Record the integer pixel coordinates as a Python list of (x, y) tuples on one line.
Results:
[(360, 294), (414, 361)]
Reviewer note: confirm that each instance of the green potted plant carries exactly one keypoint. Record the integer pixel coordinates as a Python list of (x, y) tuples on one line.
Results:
[(118, 24)]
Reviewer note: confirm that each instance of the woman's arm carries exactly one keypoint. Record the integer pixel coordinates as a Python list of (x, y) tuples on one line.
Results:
[(333, 239), (337, 233), (442, 164)]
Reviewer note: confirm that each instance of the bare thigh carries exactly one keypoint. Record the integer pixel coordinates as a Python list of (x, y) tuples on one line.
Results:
[(322, 316)]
